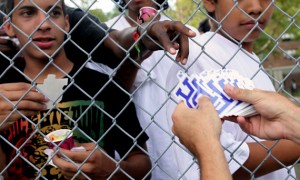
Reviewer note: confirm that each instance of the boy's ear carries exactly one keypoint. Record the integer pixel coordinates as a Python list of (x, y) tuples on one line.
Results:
[(209, 5), (67, 22), (8, 28)]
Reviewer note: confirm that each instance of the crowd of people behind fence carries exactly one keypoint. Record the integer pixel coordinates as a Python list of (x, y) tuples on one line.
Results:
[(123, 118)]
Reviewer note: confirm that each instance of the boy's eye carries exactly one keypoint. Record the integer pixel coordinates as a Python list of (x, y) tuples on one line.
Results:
[(27, 13), (55, 13)]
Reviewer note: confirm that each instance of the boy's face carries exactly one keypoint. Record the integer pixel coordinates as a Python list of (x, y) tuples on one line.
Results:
[(32, 23), (240, 21)]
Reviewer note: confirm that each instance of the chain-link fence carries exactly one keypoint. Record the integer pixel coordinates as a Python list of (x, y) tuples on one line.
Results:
[(99, 109)]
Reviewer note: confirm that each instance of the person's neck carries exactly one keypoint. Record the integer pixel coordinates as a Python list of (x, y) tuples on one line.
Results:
[(131, 17), (34, 67), (248, 46)]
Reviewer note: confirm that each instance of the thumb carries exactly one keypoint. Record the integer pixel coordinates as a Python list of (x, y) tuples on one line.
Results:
[(239, 94), (204, 101), (88, 146)]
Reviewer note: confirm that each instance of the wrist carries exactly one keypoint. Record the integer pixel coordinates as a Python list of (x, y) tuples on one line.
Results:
[(206, 146), (139, 46), (292, 125)]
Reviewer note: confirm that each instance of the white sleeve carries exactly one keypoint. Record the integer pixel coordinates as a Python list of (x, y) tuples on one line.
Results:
[(236, 152)]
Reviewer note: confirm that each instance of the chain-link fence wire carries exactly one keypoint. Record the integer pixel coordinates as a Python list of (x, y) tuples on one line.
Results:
[(279, 61)]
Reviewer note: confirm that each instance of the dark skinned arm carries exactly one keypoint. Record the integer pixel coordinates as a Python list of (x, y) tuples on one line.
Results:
[(284, 151), (169, 35)]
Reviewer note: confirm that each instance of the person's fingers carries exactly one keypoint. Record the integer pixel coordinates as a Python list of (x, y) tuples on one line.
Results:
[(244, 123), (78, 156), (15, 96), (239, 94), (68, 168), (4, 41), (2, 33), (164, 39), (88, 157), (230, 118), (34, 104), (165, 32), (183, 32), (176, 115), (6, 45), (176, 45), (89, 146), (173, 130), (5, 48), (8, 117), (30, 105), (15, 91), (205, 103), (17, 114), (183, 52), (29, 113), (181, 104), (15, 86)]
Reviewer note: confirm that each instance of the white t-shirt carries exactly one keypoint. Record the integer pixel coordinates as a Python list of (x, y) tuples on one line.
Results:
[(150, 97), (216, 52)]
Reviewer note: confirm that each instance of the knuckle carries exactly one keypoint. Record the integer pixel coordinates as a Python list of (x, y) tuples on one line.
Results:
[(24, 86)]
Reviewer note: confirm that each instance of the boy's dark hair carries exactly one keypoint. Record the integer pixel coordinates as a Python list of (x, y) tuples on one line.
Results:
[(204, 26), (160, 3), (9, 6)]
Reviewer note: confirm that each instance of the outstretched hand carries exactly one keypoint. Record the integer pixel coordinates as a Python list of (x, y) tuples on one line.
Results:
[(275, 112), (168, 35)]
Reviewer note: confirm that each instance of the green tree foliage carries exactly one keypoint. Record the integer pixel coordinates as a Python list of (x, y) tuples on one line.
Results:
[(187, 11), (104, 16), (285, 20), (99, 14), (87, 4)]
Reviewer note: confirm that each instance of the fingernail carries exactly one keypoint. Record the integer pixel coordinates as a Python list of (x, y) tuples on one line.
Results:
[(46, 99), (191, 32), (229, 88), (172, 51)]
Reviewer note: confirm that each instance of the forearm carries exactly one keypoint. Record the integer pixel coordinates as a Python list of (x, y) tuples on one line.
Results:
[(292, 124), (122, 43), (137, 166), (212, 161), (129, 67), (127, 74), (128, 71), (261, 162)]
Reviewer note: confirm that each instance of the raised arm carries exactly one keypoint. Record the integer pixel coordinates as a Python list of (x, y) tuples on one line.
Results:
[(280, 120), (171, 36), (199, 130)]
